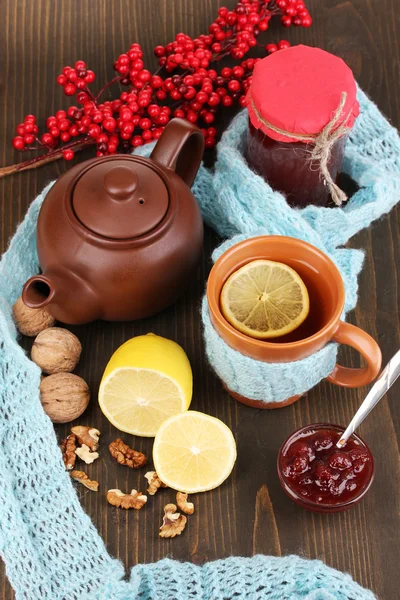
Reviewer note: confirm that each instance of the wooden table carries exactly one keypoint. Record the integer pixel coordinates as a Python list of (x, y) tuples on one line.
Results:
[(249, 514)]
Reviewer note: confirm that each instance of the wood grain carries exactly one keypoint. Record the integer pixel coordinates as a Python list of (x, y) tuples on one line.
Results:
[(250, 512)]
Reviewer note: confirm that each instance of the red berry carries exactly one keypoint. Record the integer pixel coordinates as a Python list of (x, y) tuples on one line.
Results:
[(283, 44), (61, 80), (234, 85), (69, 89), (271, 48), (286, 21), (209, 142), (145, 123), (109, 124), (55, 132), (65, 136), (29, 127), (227, 100), (214, 99), (238, 72), (209, 117), (211, 132), (20, 129), (340, 460), (90, 77), (18, 142), (47, 139), (137, 141), (29, 138), (147, 135), (68, 154), (80, 64), (94, 130), (159, 51), (306, 21)]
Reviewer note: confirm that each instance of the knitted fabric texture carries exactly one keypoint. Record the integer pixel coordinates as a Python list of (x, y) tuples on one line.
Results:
[(51, 548), (241, 204)]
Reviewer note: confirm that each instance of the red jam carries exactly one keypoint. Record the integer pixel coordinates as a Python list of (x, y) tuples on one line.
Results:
[(319, 476), (287, 168)]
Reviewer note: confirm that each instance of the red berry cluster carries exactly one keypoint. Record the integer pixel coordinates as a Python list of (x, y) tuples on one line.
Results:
[(75, 79), (27, 132), (186, 85), (295, 13)]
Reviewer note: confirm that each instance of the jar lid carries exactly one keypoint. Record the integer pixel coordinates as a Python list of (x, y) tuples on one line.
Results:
[(120, 198), (298, 91)]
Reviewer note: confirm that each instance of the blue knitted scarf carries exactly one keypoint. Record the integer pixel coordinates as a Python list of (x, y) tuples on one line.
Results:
[(51, 548)]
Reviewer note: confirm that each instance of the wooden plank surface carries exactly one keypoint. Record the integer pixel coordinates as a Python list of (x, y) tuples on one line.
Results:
[(250, 513)]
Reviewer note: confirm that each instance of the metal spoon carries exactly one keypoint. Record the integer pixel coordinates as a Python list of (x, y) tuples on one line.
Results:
[(386, 379)]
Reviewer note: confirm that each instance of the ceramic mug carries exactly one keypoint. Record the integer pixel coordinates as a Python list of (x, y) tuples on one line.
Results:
[(323, 325)]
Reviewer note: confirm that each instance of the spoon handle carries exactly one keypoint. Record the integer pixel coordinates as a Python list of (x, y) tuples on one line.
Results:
[(386, 379)]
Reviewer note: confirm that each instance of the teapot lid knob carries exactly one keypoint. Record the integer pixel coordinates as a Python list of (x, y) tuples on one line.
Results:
[(120, 182)]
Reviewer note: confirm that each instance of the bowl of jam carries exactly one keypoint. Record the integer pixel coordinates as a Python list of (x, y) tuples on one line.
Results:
[(317, 475)]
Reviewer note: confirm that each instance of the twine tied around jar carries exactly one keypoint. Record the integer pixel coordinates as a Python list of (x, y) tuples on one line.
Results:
[(323, 143)]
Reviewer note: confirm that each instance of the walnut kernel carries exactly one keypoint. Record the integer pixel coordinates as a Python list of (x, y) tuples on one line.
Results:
[(31, 321), (82, 478), (56, 350), (68, 447), (155, 482), (124, 455), (64, 396), (133, 500), (84, 454), (87, 435), (173, 522), (183, 505)]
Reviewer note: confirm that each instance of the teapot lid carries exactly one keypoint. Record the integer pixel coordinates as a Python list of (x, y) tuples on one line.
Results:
[(120, 198)]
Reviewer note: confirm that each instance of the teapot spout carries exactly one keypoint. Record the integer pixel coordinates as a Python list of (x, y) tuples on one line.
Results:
[(38, 291)]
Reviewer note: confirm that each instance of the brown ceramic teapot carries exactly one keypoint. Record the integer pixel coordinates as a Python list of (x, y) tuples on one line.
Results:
[(120, 237)]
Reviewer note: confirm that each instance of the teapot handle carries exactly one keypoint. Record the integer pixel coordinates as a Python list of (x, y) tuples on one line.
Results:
[(180, 148)]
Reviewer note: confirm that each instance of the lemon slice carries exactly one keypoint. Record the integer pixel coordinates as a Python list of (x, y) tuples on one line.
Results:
[(265, 299), (147, 380), (193, 452)]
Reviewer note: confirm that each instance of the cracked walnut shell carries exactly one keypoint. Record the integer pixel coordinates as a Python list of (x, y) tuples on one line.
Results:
[(173, 522), (82, 478), (124, 455), (133, 500), (64, 396), (56, 350), (31, 321), (68, 447), (87, 435)]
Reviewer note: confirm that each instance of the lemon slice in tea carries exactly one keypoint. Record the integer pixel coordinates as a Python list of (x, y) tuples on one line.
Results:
[(265, 299)]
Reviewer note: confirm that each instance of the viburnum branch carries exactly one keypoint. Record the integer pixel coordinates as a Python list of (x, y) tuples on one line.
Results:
[(185, 85)]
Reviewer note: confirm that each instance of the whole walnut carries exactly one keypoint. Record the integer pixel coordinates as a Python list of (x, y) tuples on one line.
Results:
[(64, 396), (31, 321), (56, 350)]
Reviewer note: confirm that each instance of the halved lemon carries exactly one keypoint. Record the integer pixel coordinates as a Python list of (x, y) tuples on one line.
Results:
[(147, 380), (193, 452), (265, 299)]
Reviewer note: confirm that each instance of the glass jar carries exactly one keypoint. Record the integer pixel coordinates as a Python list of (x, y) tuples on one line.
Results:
[(288, 169), (301, 98)]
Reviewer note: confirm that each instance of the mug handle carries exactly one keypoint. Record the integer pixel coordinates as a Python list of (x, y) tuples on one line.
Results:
[(368, 348)]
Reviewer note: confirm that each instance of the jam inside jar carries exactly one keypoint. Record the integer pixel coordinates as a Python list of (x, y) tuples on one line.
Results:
[(288, 169), (321, 477), (302, 104)]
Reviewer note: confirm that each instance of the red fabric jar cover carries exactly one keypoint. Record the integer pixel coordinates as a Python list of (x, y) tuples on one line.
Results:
[(298, 90)]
